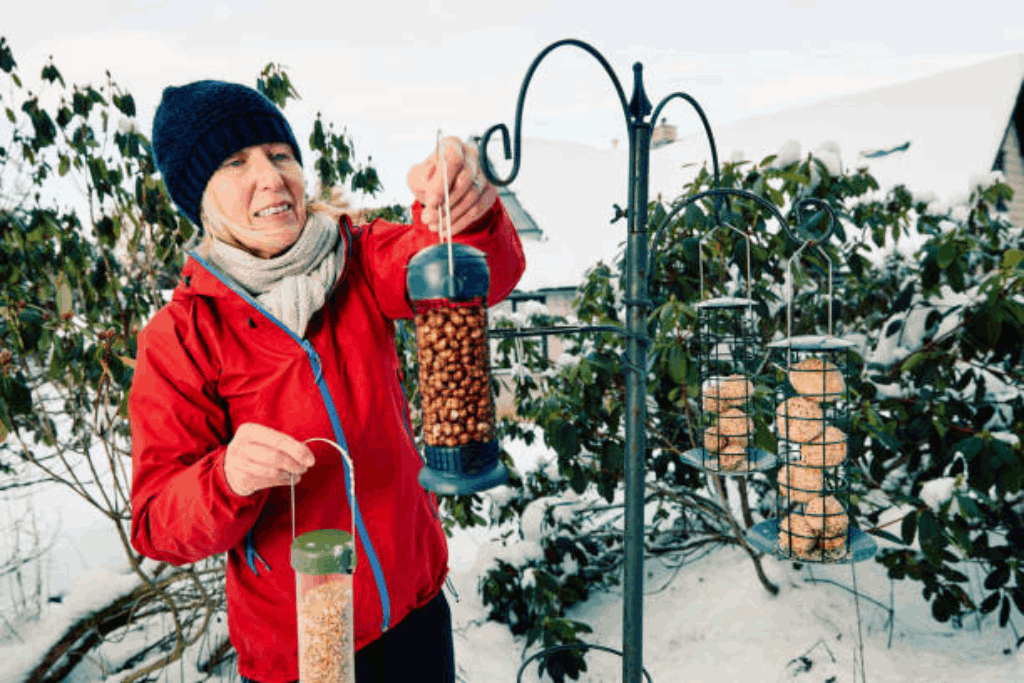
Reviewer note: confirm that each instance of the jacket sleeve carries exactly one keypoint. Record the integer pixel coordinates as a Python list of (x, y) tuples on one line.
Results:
[(182, 507), (387, 247)]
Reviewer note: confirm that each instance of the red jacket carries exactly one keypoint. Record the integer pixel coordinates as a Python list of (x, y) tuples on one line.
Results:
[(211, 360)]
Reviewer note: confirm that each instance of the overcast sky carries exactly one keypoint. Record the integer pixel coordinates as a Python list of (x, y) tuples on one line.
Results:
[(393, 73)]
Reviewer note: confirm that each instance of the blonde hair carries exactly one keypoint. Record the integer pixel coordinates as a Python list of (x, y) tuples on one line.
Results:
[(214, 220)]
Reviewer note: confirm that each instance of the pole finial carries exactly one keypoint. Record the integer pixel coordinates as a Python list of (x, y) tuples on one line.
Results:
[(639, 106)]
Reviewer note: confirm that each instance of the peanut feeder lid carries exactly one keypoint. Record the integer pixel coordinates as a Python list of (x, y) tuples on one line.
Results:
[(324, 551), (427, 275)]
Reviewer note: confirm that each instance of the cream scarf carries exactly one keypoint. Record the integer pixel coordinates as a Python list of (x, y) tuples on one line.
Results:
[(293, 285)]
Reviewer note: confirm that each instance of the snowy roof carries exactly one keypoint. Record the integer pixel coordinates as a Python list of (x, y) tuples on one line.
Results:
[(521, 218), (569, 190), (954, 123)]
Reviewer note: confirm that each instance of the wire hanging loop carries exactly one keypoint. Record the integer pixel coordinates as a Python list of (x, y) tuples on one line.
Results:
[(350, 483), (700, 251), (807, 238), (447, 214)]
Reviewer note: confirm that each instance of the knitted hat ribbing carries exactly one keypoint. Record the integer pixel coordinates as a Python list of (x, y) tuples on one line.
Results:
[(197, 126)]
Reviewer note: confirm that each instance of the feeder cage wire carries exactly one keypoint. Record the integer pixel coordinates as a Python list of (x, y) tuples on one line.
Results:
[(812, 419), (729, 352)]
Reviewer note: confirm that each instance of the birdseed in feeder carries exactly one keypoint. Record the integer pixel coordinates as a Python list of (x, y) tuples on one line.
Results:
[(714, 440), (325, 636), (800, 483), (834, 543), (799, 419), (828, 449), (734, 422), (817, 378), (826, 515), (727, 392), (795, 535), (733, 456)]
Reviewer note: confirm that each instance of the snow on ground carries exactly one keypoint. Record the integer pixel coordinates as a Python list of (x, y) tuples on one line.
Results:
[(710, 622)]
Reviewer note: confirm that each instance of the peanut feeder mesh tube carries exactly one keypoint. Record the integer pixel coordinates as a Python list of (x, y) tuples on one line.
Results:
[(448, 286)]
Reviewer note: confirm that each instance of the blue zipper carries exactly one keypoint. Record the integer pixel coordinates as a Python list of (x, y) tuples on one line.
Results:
[(339, 436)]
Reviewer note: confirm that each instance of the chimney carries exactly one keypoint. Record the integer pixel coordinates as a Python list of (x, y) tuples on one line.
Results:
[(663, 134)]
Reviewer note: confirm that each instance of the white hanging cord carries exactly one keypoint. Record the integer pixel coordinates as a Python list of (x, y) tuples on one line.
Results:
[(447, 212), (349, 482), (860, 633), (749, 270)]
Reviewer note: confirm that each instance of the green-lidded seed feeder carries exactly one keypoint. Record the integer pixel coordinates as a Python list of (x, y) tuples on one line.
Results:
[(324, 562)]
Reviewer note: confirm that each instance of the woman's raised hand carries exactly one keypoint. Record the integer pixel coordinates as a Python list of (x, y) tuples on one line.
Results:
[(259, 457), (469, 193)]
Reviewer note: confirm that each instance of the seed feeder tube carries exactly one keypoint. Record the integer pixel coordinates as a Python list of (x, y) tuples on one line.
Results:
[(448, 286), (324, 562)]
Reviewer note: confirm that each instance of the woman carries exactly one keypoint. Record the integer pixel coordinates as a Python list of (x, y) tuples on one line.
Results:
[(281, 331)]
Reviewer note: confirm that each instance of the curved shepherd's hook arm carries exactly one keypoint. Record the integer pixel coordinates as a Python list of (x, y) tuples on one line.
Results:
[(804, 235), (486, 163), (707, 129)]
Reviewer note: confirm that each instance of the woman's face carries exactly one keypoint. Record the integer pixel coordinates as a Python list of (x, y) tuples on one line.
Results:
[(259, 191)]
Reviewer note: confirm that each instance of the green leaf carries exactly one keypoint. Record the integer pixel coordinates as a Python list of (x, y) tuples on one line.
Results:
[(10, 115), (7, 62), (930, 534), (882, 533), (126, 104), (990, 603), (968, 508), (62, 298), (942, 607), (677, 364), (1012, 257), (909, 527), (998, 577), (65, 165), (912, 361), (1017, 592), (51, 74), (947, 254)]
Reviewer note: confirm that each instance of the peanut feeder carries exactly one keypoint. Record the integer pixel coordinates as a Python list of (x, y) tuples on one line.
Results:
[(448, 285)]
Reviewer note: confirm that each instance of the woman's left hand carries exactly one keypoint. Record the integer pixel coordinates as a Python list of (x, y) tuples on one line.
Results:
[(469, 193)]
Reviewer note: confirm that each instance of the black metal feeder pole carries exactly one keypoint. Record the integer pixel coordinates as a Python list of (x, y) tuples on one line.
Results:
[(639, 124), (638, 267)]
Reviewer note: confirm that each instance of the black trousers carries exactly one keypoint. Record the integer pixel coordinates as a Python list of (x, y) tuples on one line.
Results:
[(418, 649)]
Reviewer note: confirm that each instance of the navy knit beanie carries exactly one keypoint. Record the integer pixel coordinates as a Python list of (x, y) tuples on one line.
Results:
[(199, 125)]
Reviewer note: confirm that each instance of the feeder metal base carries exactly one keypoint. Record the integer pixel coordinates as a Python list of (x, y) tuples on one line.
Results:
[(765, 537), (757, 461), (462, 470)]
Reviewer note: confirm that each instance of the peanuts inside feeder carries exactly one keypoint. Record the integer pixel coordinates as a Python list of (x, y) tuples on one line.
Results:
[(448, 285)]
